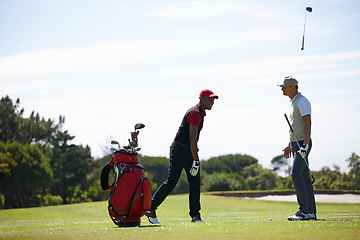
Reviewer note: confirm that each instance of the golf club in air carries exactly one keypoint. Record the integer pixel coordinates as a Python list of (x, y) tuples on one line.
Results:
[(308, 9)]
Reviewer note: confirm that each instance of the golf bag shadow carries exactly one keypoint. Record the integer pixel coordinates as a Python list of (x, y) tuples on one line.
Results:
[(130, 194)]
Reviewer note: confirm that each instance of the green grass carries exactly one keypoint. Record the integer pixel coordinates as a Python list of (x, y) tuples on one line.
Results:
[(225, 218)]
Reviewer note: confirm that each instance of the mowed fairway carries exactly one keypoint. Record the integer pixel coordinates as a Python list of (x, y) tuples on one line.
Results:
[(225, 218)]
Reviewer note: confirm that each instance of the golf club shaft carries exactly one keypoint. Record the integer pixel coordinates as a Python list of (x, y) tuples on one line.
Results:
[(303, 38), (297, 142)]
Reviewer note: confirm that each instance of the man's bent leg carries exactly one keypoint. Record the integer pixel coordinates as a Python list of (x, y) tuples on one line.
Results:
[(175, 167)]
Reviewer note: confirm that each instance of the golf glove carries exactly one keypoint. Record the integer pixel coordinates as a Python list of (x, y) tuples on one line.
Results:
[(303, 150), (195, 168)]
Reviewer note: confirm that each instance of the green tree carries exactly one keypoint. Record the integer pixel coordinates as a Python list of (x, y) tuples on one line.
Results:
[(259, 178), (9, 115), (354, 165), (95, 192), (70, 164), (325, 178), (182, 185), (279, 164), (38, 130), (227, 163), (14, 127), (156, 168), (222, 182), (25, 174)]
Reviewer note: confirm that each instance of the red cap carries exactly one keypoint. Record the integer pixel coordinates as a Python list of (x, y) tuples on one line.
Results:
[(208, 93)]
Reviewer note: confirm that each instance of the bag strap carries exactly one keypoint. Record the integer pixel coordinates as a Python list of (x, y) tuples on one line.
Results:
[(104, 178)]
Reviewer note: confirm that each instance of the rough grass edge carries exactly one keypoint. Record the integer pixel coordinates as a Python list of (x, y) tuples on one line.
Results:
[(262, 193)]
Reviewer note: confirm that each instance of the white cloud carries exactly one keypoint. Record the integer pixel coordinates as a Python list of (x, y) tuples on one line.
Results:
[(199, 9), (206, 9), (111, 54)]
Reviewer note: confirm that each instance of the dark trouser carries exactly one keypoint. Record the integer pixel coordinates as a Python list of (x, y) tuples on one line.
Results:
[(180, 158), (300, 174)]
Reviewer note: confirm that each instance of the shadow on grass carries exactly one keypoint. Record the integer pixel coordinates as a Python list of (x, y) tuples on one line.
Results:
[(334, 220), (146, 226), (150, 226), (326, 220)]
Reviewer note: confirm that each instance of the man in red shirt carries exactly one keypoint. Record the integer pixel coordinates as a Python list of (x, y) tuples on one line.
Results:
[(184, 155)]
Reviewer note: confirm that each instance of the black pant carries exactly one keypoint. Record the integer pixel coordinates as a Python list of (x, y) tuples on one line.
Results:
[(180, 158)]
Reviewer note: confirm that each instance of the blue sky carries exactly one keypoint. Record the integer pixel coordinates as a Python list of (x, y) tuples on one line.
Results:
[(106, 65)]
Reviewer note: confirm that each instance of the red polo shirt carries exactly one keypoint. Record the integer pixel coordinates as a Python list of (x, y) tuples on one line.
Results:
[(194, 118)]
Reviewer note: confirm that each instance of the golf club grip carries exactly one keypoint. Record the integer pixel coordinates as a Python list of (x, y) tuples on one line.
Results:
[(289, 123)]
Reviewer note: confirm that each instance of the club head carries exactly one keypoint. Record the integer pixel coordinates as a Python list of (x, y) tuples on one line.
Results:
[(309, 9), (115, 142), (139, 126), (113, 149)]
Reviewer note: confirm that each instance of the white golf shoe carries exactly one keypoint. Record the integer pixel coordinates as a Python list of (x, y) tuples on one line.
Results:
[(312, 216), (299, 216), (151, 215), (197, 219)]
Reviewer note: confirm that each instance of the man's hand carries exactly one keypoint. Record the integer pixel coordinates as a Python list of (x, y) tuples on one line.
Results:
[(195, 168), (303, 150), (287, 152)]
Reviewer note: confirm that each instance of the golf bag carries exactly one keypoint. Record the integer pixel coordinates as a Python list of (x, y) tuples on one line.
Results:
[(130, 194)]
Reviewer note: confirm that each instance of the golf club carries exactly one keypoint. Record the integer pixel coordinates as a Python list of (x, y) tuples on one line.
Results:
[(131, 145), (127, 148), (115, 142), (305, 160), (308, 9), (139, 126)]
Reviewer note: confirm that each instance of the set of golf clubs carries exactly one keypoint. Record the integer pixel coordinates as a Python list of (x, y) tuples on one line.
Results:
[(133, 143)]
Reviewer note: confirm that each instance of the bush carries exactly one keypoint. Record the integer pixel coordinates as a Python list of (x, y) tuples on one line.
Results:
[(49, 200), (266, 180), (222, 182)]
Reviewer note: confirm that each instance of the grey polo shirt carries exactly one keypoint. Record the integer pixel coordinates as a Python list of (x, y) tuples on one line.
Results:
[(299, 107)]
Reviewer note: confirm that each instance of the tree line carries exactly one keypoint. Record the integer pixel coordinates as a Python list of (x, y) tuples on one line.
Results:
[(39, 166)]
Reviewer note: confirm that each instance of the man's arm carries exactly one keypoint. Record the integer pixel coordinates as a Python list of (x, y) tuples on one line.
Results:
[(193, 142), (307, 128), (307, 132)]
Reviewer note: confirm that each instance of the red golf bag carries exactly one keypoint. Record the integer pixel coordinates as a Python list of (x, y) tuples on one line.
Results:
[(130, 195)]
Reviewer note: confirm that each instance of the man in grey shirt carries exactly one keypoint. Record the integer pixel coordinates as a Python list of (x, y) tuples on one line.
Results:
[(300, 120)]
